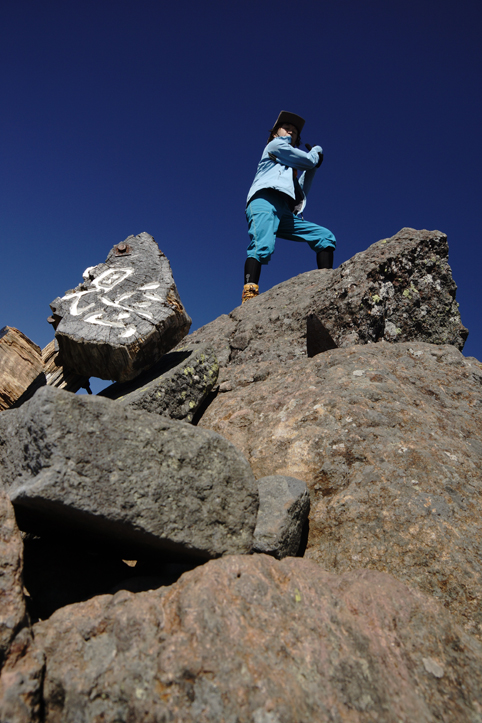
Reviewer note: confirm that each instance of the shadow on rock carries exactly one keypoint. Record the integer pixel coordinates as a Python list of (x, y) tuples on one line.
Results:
[(56, 575)]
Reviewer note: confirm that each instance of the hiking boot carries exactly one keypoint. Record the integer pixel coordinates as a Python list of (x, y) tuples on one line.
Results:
[(249, 292)]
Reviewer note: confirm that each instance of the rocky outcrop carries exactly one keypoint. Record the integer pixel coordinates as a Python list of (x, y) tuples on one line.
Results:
[(131, 479), (384, 441), (176, 386), (217, 646), (399, 289), (21, 368), (388, 437), (124, 316), (284, 504)]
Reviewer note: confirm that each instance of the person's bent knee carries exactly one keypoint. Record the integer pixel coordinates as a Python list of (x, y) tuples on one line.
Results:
[(327, 242)]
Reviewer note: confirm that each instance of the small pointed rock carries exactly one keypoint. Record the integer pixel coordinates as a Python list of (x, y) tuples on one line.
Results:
[(284, 504)]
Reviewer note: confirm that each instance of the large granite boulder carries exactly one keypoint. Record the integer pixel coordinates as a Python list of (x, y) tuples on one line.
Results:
[(21, 368), (87, 465), (388, 438), (124, 316), (256, 640), (176, 386), (399, 289)]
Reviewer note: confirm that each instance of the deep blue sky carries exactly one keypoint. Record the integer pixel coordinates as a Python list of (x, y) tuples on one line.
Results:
[(122, 116)]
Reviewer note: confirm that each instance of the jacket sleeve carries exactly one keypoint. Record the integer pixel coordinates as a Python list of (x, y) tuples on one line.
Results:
[(306, 180), (281, 151)]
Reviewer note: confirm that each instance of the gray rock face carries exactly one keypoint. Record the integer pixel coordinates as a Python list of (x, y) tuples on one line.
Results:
[(12, 606), (124, 316), (388, 438), (88, 465), (284, 504), (175, 387), (256, 640), (399, 289)]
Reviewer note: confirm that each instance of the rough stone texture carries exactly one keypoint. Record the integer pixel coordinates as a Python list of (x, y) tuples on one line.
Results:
[(87, 464), (21, 368), (175, 387), (399, 289), (388, 438), (124, 316), (21, 682), (284, 504), (12, 606), (256, 640)]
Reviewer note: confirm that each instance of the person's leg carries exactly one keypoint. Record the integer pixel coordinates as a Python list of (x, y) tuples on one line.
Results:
[(324, 258), (252, 270), (320, 239), (263, 221)]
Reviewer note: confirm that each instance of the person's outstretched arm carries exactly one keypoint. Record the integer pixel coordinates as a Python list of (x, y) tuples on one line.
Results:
[(281, 151)]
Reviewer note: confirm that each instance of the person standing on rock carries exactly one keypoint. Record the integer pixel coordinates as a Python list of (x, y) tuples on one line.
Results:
[(277, 198)]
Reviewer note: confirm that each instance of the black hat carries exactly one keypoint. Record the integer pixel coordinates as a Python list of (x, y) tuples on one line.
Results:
[(286, 117)]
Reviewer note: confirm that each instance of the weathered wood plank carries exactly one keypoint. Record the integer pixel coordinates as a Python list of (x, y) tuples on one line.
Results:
[(21, 367), (59, 376)]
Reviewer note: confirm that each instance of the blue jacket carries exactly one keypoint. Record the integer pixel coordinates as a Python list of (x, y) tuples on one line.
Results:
[(275, 170)]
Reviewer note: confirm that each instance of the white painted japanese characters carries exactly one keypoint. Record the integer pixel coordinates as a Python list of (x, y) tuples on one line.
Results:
[(93, 305)]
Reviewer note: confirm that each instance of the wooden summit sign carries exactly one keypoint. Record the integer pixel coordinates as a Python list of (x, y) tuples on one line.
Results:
[(124, 316)]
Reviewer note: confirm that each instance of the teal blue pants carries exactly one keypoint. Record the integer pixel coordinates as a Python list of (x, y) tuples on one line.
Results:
[(269, 215)]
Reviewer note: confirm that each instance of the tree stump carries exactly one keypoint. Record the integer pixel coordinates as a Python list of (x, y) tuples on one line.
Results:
[(124, 316)]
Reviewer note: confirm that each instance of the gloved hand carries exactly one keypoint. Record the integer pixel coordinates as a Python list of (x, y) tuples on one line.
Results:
[(320, 155)]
